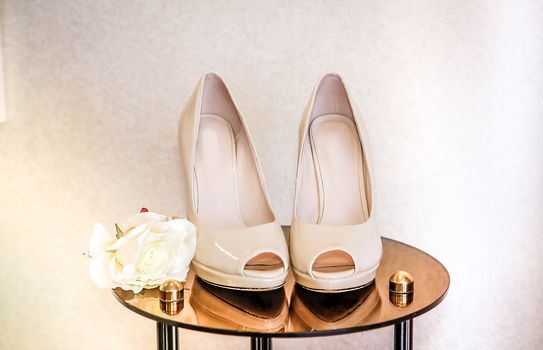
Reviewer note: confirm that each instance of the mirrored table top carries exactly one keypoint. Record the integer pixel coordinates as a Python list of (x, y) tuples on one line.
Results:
[(293, 311)]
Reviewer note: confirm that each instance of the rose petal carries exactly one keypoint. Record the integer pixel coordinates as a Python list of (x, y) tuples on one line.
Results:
[(159, 227), (179, 276), (142, 218), (115, 270), (100, 272), (129, 250), (155, 258), (100, 240), (136, 289), (133, 288), (133, 233), (183, 225), (188, 246)]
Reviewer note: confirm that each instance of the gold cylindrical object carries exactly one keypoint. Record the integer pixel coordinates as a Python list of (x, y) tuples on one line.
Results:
[(401, 288), (171, 297), (171, 291)]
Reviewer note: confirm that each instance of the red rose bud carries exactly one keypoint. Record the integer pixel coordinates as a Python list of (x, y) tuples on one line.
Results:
[(144, 210)]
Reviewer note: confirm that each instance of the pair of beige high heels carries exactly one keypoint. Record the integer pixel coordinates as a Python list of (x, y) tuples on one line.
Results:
[(334, 241)]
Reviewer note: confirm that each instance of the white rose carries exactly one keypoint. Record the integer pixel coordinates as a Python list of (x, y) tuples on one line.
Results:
[(152, 250)]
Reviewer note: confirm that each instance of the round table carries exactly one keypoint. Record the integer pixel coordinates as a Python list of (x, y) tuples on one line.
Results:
[(293, 311)]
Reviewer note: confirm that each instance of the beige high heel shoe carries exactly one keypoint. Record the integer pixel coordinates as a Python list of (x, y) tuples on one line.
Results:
[(239, 243), (334, 241)]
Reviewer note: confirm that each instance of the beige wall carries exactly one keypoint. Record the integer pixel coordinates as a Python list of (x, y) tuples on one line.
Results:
[(452, 96), (2, 99)]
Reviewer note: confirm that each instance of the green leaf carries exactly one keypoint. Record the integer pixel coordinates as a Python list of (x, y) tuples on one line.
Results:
[(119, 233)]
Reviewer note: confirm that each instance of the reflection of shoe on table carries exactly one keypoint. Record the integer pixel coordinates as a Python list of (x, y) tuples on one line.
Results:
[(321, 311), (239, 310)]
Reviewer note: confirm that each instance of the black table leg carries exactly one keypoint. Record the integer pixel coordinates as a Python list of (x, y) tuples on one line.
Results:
[(166, 336), (403, 335), (261, 343)]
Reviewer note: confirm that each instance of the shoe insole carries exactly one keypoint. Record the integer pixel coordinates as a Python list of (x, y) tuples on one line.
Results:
[(215, 174), (216, 185), (339, 167)]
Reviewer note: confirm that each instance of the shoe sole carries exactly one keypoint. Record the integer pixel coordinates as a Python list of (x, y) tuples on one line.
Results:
[(237, 282), (360, 280)]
